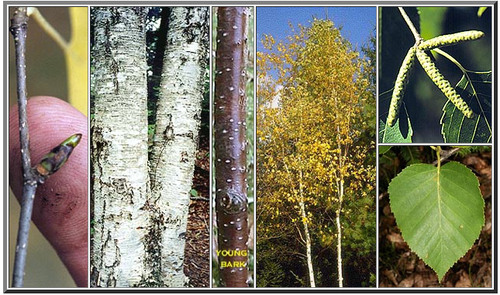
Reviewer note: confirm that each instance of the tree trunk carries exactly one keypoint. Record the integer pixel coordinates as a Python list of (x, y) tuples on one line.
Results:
[(176, 138), (119, 147), (310, 269), (230, 146), (303, 215), (339, 211), (339, 248)]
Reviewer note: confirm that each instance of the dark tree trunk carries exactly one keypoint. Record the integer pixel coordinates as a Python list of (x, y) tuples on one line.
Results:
[(230, 146)]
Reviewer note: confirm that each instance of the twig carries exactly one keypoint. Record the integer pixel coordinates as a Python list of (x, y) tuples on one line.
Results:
[(199, 199), (445, 154), (49, 164), (19, 26), (410, 25)]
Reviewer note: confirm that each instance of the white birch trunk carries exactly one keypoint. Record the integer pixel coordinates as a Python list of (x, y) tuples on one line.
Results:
[(306, 233), (337, 219), (119, 147), (176, 137), (339, 243), (308, 245)]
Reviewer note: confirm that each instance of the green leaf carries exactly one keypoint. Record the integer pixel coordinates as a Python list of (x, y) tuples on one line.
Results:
[(193, 192), (382, 149), (399, 133), (475, 89), (440, 212)]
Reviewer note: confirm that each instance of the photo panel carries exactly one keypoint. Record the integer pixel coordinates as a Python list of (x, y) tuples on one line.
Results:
[(47, 124), (316, 135), (150, 147), (435, 74), (435, 216), (233, 143)]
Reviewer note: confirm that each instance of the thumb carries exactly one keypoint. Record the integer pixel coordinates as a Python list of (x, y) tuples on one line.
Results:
[(61, 205)]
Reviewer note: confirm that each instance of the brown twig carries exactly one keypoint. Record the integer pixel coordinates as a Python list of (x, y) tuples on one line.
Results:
[(18, 28)]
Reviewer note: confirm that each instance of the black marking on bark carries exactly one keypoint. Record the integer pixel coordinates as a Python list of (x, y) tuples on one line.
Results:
[(232, 201), (168, 136), (153, 243)]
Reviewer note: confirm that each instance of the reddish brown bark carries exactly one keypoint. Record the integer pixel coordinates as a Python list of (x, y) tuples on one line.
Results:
[(230, 146)]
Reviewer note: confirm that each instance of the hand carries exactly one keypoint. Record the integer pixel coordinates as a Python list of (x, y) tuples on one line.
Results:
[(61, 203)]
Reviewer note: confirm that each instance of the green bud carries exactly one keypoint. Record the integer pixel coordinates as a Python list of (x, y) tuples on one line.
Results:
[(56, 158)]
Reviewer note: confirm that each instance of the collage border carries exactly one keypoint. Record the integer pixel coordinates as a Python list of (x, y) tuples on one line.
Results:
[(255, 4)]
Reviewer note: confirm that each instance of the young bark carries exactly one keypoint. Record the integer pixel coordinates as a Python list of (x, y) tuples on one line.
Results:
[(176, 137), (119, 147), (230, 146)]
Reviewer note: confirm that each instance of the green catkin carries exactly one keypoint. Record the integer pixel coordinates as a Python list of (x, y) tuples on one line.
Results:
[(443, 84), (451, 39), (400, 86)]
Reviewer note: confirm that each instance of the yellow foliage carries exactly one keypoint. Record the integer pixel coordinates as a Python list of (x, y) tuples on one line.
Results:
[(310, 116)]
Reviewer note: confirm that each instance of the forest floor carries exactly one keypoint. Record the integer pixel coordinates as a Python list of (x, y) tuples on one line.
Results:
[(197, 251), (399, 267)]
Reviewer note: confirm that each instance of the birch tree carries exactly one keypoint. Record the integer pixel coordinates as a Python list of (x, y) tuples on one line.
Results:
[(311, 118)]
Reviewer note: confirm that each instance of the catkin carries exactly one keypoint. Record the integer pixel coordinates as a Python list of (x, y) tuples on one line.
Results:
[(443, 84), (400, 85), (451, 39)]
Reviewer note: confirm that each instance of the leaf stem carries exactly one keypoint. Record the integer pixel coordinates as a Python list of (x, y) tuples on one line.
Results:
[(438, 153), (453, 60), (49, 29), (410, 25), (19, 25)]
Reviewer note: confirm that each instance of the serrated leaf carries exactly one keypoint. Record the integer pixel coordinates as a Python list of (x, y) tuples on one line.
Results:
[(475, 89), (397, 133), (440, 212)]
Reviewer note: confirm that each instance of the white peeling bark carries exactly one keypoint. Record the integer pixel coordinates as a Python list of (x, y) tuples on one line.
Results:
[(176, 137), (119, 147)]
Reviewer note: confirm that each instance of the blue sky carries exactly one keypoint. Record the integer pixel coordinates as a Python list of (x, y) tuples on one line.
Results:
[(357, 22)]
